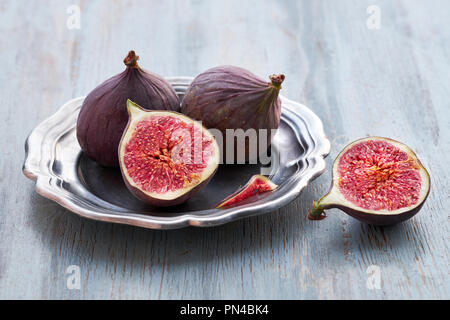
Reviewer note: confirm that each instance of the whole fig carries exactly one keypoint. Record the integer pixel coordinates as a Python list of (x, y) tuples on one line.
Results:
[(103, 115), (229, 97)]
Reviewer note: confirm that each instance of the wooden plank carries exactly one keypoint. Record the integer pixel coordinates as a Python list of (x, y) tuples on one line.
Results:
[(391, 82)]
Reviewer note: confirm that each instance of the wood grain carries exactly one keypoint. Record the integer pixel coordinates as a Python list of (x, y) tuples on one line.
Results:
[(391, 82)]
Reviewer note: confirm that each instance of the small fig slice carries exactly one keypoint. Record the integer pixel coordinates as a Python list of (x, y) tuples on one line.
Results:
[(376, 180), (257, 184), (166, 157)]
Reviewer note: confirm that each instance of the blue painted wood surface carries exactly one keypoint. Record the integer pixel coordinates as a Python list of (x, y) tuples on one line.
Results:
[(392, 81)]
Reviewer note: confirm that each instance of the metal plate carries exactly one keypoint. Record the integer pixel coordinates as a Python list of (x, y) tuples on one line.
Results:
[(65, 175)]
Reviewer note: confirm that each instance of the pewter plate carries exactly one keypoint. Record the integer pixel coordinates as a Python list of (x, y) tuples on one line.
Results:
[(54, 160)]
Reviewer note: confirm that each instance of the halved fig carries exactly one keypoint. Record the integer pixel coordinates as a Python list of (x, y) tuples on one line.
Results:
[(257, 184), (166, 157), (376, 180)]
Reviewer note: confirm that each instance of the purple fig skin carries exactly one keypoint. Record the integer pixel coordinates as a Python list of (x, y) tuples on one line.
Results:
[(378, 219), (229, 97), (103, 115)]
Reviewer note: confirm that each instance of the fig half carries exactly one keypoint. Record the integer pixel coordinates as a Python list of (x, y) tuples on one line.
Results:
[(376, 180), (166, 157)]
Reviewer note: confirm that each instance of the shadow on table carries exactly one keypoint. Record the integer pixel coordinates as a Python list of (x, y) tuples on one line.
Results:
[(268, 236)]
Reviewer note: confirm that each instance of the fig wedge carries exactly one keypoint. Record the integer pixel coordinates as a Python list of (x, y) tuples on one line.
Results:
[(257, 184), (376, 180)]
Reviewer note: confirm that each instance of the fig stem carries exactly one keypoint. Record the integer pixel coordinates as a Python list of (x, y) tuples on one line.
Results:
[(277, 80), (131, 59), (317, 211)]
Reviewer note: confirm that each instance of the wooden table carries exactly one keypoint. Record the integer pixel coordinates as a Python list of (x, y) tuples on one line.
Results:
[(362, 76)]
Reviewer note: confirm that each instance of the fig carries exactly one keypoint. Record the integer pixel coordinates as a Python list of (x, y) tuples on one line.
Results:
[(376, 180), (103, 115), (165, 157), (229, 97), (257, 184)]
